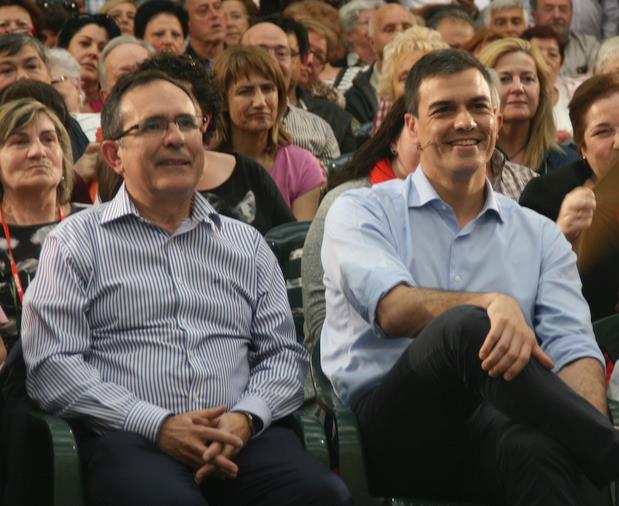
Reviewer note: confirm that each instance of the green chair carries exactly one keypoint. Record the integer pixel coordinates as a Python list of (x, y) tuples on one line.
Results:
[(607, 336), (56, 467), (345, 441), (287, 241)]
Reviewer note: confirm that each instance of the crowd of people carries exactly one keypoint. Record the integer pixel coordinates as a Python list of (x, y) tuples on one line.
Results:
[(457, 163)]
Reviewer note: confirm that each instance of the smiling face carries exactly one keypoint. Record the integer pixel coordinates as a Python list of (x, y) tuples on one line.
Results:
[(85, 47), (601, 139), (455, 127), (31, 158), (252, 104), (520, 87), (155, 165)]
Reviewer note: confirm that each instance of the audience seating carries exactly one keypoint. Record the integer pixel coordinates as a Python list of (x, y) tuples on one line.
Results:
[(334, 167), (363, 133), (286, 241)]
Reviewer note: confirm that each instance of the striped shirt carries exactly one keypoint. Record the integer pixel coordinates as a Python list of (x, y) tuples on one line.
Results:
[(126, 324), (312, 133)]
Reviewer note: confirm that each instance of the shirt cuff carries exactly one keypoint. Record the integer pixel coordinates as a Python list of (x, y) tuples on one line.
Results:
[(145, 419), (255, 406)]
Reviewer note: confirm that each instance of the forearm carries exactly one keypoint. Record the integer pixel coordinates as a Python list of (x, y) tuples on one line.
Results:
[(586, 377), (405, 311)]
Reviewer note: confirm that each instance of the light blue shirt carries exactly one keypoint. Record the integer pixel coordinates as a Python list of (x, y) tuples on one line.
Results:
[(401, 232), (126, 324)]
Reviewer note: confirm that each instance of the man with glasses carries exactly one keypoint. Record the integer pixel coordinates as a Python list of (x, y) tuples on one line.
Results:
[(163, 329), (308, 130)]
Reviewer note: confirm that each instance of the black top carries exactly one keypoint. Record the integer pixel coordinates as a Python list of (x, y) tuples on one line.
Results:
[(26, 243), (361, 99), (251, 196), (545, 194)]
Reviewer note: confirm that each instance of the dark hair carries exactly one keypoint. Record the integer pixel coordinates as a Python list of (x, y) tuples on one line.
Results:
[(449, 13), (74, 25), (545, 32), (375, 149), (38, 90), (31, 8), (13, 43), (152, 8), (111, 120), (439, 63), (290, 26), (56, 13), (186, 69), (593, 89)]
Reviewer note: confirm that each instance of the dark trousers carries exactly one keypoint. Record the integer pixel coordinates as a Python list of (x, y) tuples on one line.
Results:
[(125, 469), (439, 426)]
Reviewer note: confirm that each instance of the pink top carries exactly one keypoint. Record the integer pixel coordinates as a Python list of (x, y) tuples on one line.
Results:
[(295, 171)]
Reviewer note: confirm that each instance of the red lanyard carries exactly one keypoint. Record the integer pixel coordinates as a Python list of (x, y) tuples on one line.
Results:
[(7, 235)]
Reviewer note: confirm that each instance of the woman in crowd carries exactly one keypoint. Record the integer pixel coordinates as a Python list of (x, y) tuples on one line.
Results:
[(568, 195), (20, 16), (528, 135), (65, 73), (552, 48), (398, 58), (163, 24), (607, 60), (84, 37), (35, 186), (254, 103), (239, 16), (122, 12), (481, 39), (387, 155)]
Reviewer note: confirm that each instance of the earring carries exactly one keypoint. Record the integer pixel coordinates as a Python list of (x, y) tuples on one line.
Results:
[(393, 150)]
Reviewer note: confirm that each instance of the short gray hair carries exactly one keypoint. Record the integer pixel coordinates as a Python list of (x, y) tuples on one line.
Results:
[(497, 5), (349, 13), (57, 57), (608, 49), (113, 44)]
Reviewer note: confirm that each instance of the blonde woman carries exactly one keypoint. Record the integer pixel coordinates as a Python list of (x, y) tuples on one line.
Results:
[(122, 12), (253, 106), (398, 58), (528, 135)]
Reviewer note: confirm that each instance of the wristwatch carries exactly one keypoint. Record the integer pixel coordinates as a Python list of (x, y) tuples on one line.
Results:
[(255, 424)]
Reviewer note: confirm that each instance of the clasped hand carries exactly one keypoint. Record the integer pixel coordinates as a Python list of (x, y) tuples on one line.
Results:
[(206, 440), (510, 343)]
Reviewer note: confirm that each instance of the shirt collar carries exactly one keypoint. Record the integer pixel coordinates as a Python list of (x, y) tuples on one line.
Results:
[(122, 205), (421, 192)]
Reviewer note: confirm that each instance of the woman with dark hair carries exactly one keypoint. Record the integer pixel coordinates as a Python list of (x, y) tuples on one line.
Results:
[(236, 186), (163, 24), (390, 154), (20, 16), (84, 37), (254, 104)]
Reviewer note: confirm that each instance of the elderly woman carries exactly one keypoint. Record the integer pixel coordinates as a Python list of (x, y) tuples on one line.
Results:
[(84, 37), (35, 187), (163, 24), (122, 12), (355, 18), (239, 16), (607, 60), (567, 196), (399, 56), (528, 135), (20, 16), (254, 103), (36, 177)]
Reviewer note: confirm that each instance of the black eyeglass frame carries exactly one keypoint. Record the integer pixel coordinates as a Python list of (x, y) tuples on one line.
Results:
[(201, 119)]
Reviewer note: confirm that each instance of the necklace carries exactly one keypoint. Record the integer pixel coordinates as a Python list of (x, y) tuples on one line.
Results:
[(7, 235)]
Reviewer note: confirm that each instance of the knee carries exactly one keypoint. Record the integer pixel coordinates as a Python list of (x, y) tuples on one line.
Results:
[(329, 490), (464, 324)]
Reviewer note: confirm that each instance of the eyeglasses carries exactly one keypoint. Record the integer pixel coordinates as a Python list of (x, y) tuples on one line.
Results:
[(157, 126), (320, 59)]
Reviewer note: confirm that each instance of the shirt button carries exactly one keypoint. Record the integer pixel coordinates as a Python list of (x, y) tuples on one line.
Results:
[(457, 278)]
